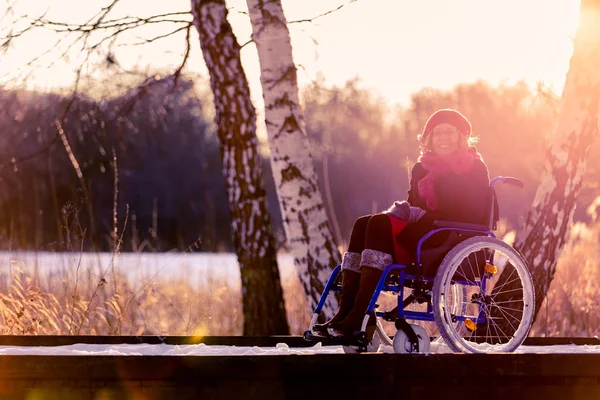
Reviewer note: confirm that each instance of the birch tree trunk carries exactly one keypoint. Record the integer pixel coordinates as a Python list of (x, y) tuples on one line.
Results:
[(305, 220), (546, 231), (263, 304)]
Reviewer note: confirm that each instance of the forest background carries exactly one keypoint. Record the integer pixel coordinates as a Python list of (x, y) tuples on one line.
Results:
[(170, 175), (168, 193)]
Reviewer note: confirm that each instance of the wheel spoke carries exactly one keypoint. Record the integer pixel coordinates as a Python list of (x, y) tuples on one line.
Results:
[(508, 320), (495, 327), (467, 279), (475, 275), (507, 301), (518, 278), (507, 279), (507, 308), (508, 291)]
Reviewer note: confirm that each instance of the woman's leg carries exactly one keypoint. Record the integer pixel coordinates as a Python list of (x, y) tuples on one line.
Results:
[(379, 235), (358, 234), (378, 254), (350, 275)]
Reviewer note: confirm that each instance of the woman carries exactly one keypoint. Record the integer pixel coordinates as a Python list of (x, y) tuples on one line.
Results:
[(450, 182)]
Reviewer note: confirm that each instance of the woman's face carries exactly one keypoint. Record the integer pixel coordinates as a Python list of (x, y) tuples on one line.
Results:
[(445, 139)]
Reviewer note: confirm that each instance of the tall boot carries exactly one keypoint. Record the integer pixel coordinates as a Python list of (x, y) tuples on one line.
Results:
[(373, 262), (350, 283)]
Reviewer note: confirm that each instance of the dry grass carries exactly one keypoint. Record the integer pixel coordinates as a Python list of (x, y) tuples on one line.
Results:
[(571, 307), (93, 305)]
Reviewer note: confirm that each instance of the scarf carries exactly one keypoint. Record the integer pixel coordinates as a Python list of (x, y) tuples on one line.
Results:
[(438, 166)]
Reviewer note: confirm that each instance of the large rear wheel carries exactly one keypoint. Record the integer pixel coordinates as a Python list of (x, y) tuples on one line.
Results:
[(483, 298)]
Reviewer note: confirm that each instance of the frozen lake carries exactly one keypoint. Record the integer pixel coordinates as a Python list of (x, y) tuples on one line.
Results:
[(137, 267)]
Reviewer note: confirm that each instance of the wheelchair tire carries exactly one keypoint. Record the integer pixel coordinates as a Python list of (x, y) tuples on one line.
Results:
[(500, 299), (402, 343)]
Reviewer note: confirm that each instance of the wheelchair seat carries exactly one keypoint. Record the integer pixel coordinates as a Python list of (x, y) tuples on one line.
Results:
[(432, 257)]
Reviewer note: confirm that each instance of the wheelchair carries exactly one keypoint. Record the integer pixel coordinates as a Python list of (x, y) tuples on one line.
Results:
[(474, 287)]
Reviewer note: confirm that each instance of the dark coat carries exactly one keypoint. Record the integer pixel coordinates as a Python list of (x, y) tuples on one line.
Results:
[(461, 198)]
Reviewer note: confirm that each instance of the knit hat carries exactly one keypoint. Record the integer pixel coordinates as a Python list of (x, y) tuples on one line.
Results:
[(448, 116)]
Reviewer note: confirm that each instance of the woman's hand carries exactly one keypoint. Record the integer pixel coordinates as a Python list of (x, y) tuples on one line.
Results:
[(403, 210), (415, 214)]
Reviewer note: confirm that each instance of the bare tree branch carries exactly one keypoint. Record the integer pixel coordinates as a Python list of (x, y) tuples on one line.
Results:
[(146, 41), (11, 36), (47, 146), (102, 14), (69, 151), (177, 72), (82, 32), (130, 19), (129, 22), (300, 20), (322, 15), (9, 10)]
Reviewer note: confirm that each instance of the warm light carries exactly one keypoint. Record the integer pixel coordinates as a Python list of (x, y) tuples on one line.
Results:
[(413, 44), (199, 333)]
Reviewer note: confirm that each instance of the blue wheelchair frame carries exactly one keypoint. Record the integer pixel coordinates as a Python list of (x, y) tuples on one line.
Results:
[(385, 283)]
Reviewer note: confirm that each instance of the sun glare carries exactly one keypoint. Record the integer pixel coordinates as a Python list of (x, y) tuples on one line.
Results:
[(440, 43), (395, 47)]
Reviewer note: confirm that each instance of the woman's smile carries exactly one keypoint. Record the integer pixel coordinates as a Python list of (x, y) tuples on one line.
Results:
[(445, 139)]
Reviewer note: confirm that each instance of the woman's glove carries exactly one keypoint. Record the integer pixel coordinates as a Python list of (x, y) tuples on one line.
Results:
[(415, 214), (403, 210)]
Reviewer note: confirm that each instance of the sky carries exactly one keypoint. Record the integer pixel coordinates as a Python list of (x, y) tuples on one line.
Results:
[(395, 47)]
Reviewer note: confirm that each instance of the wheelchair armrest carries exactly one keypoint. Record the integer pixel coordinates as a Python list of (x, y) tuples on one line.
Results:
[(508, 180), (461, 225)]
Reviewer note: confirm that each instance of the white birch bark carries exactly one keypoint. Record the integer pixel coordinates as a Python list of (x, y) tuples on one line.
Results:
[(547, 228), (262, 296), (305, 220)]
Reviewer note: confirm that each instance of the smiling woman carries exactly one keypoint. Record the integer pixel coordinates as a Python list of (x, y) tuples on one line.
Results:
[(450, 182)]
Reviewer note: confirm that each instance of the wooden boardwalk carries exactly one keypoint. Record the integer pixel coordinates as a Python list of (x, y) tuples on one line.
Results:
[(315, 376)]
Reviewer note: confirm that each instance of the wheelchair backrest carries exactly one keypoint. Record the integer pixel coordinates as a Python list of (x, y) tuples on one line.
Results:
[(493, 210), (430, 258)]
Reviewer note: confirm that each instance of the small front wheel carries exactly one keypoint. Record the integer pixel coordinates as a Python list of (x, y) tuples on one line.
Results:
[(495, 297), (402, 343)]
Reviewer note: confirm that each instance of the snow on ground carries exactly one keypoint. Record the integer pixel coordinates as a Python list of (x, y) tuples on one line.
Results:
[(204, 350)]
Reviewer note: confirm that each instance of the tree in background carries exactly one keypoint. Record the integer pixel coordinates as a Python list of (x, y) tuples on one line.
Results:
[(548, 223), (263, 304), (360, 150), (305, 221), (360, 147), (160, 136), (264, 309)]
